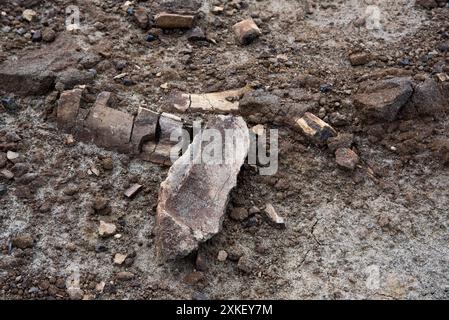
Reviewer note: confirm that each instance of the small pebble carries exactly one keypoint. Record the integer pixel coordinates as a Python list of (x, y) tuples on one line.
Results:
[(325, 88), (3, 190), (11, 155), (29, 15), (125, 276), (37, 36), (107, 163), (152, 37), (106, 229), (222, 256), (9, 104), (239, 214), (119, 258), (48, 35)]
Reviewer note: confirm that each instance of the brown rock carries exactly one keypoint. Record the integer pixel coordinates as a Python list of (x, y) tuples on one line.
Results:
[(235, 252), (239, 214), (124, 276), (166, 20), (3, 159), (34, 73), (101, 206), (108, 127), (23, 241), (71, 190), (358, 59), (309, 81), (69, 140), (107, 163), (201, 261), (246, 264), (194, 277), (359, 22), (388, 72), (48, 35), (384, 221), (382, 100), (346, 158), (259, 102), (44, 285), (71, 77), (314, 128), (141, 16), (68, 107), (60, 283), (246, 31), (193, 198), (343, 140), (427, 100)]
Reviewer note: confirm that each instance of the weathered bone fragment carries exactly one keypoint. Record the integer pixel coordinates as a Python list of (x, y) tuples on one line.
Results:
[(68, 108), (110, 128), (148, 135), (315, 129), (217, 102), (158, 150), (145, 127), (193, 198), (274, 217)]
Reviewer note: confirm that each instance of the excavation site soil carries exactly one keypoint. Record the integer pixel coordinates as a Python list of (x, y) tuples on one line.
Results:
[(358, 92)]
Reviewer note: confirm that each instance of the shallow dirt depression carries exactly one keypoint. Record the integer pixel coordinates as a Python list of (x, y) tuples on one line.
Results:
[(379, 231)]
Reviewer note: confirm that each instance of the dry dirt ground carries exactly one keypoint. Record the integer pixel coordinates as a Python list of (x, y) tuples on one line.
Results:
[(378, 232)]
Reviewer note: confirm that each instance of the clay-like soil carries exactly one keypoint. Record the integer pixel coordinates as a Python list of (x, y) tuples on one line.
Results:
[(378, 232)]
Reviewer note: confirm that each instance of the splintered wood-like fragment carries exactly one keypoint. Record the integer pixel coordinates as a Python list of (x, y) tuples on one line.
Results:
[(193, 198)]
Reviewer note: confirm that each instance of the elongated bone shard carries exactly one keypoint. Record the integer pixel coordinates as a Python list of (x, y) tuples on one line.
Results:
[(193, 198)]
